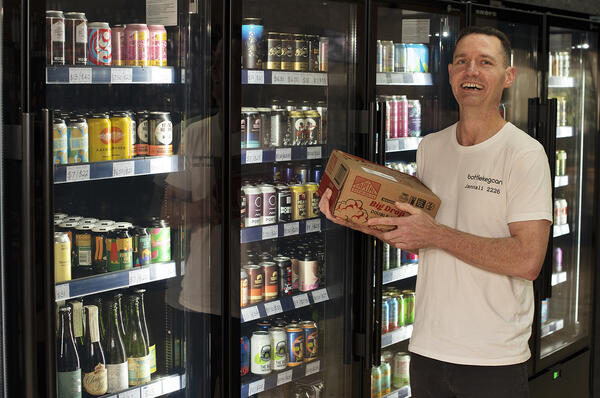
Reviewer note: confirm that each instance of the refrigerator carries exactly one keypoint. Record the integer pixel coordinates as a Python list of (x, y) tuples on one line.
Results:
[(114, 154)]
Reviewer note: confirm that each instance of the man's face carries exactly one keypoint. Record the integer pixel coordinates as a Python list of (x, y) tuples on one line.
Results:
[(478, 74)]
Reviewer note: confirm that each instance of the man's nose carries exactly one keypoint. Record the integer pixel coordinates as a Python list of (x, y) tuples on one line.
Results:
[(472, 67)]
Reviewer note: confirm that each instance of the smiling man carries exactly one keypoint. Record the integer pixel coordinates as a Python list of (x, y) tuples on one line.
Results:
[(479, 256)]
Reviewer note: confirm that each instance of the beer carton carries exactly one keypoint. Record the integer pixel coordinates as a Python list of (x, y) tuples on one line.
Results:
[(363, 190)]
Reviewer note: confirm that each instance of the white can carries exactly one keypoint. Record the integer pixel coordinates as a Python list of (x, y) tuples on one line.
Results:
[(254, 206), (279, 355), (400, 370), (563, 211), (260, 353), (269, 204)]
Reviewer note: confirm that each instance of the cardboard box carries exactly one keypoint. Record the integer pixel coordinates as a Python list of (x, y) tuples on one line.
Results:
[(362, 190)]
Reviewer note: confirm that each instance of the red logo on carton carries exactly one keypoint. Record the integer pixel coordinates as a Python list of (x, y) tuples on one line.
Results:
[(365, 187)]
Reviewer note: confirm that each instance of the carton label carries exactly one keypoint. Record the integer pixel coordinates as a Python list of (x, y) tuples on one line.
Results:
[(353, 210), (365, 187)]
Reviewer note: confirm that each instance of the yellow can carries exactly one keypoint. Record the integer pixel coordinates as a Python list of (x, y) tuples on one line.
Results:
[(99, 130), (298, 202), (312, 200), (62, 257), (121, 131)]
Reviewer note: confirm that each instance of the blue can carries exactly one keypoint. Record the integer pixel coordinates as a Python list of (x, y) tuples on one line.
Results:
[(77, 131), (409, 258), (252, 43), (400, 57), (295, 343), (393, 305), (263, 325), (310, 340), (385, 315), (245, 356), (417, 58), (316, 173)]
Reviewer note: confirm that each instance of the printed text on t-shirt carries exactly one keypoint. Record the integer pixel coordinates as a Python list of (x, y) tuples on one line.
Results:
[(478, 182)]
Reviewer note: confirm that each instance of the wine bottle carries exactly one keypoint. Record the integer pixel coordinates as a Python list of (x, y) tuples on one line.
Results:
[(151, 345), (95, 378), (67, 362), (116, 358), (77, 316), (138, 357), (118, 297)]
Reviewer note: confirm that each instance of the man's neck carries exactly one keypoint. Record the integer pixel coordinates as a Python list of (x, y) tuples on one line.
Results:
[(476, 125)]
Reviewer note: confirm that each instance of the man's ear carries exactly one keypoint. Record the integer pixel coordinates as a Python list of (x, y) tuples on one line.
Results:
[(510, 76)]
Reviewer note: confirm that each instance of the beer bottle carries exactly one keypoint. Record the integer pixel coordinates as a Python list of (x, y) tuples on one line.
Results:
[(138, 358), (97, 301), (95, 381), (116, 358), (118, 298), (77, 328), (151, 345), (67, 362)]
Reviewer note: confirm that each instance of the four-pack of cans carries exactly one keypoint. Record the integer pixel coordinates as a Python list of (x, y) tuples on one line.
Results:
[(400, 116)]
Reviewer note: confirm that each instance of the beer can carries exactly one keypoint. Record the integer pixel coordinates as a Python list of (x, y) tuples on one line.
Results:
[(417, 58), (564, 67), (78, 137), (387, 357), (323, 54), (386, 378), (279, 133), (414, 118), (307, 272), (260, 353), (311, 340), (299, 204), (295, 343), (62, 257), (120, 136), (75, 38), (271, 279), (301, 172), (312, 200), (243, 289), (160, 134), (385, 315), (264, 325), (273, 51), (562, 107), (140, 143), (119, 51), (160, 241), (252, 42), (60, 141), (255, 283), (561, 163), (244, 355), (157, 55), (400, 370), (296, 127), (388, 55), (100, 249), (73, 219), (88, 221), (265, 127), (563, 211), (544, 311), (322, 109), (312, 120), (400, 59), (313, 53), (137, 42), (59, 216), (121, 250), (285, 275), (376, 382), (142, 247), (557, 212), (409, 306), (99, 44), (288, 173), (254, 205), (300, 52), (288, 49), (55, 38), (379, 63), (82, 260), (99, 130), (269, 204), (279, 355), (316, 173), (402, 118), (251, 128), (105, 223)]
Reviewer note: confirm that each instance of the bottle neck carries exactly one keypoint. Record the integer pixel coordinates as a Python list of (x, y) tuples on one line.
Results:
[(65, 325), (92, 333), (114, 326), (77, 309)]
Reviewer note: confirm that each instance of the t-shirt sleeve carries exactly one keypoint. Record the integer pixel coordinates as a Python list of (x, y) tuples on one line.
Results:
[(529, 191)]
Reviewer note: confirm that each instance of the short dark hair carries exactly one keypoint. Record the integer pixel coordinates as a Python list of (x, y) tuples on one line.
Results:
[(488, 31)]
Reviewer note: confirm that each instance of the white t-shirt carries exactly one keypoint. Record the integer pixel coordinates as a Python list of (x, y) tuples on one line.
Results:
[(464, 314)]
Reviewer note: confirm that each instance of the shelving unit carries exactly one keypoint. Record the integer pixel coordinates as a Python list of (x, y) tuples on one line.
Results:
[(156, 388), (254, 156), (253, 384), (395, 337), (397, 274), (552, 326), (403, 392), (404, 79), (284, 304), (287, 78), (111, 75), (273, 231)]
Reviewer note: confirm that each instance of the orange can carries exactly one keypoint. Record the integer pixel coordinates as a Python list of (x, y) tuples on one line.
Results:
[(256, 284)]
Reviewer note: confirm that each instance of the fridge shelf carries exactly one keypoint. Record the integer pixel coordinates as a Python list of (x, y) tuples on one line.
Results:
[(404, 79), (560, 230), (254, 384), (398, 335), (403, 272), (273, 231), (564, 132), (117, 168), (156, 388), (110, 75), (284, 304), (558, 278), (114, 280), (404, 392), (561, 82), (254, 156), (273, 77), (552, 326), (561, 181)]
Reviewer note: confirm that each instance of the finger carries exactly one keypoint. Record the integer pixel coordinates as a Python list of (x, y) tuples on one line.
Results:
[(405, 207)]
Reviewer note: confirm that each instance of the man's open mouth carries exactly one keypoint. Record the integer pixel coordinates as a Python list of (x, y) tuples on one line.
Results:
[(472, 86)]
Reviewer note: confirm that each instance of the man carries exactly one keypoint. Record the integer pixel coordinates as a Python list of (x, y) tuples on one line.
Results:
[(479, 256)]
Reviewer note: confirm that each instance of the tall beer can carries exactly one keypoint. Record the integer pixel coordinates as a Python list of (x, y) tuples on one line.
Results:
[(561, 162), (388, 55), (279, 128), (120, 129), (414, 118), (287, 51), (322, 109), (279, 355), (379, 65), (269, 206), (300, 52), (563, 211), (62, 257), (566, 63), (400, 57), (119, 50), (60, 141), (244, 356), (376, 382), (311, 342), (394, 117), (99, 44), (557, 211), (99, 130), (386, 378), (402, 104), (252, 43), (273, 51), (313, 53), (400, 370), (157, 44), (260, 353), (55, 38), (75, 38), (385, 315), (243, 289), (256, 284), (323, 54), (295, 343)]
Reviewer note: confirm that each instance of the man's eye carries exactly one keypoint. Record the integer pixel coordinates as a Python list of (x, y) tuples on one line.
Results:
[(460, 61)]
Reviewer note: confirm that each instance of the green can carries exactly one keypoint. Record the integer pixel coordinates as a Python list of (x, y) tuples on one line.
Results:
[(160, 238), (409, 306), (401, 308)]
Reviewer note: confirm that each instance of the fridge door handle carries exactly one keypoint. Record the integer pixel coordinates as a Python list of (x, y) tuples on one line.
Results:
[(549, 128)]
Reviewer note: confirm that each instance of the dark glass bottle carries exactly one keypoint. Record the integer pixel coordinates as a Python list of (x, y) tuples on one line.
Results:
[(149, 341), (77, 327), (116, 357), (93, 364), (118, 298), (67, 361), (138, 357)]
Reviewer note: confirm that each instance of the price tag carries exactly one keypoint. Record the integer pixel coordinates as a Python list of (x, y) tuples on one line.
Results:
[(314, 152), (170, 384), (164, 271), (254, 156), (559, 324), (256, 77), (123, 169), (562, 277), (78, 173), (62, 292), (313, 367), (121, 75), (160, 165), (270, 232), (139, 276), (152, 390), (284, 377), (290, 229), (554, 279), (162, 75), (283, 154), (313, 225), (130, 394), (320, 79), (250, 313), (320, 295), (274, 307), (80, 75), (301, 300), (256, 387), (388, 78)]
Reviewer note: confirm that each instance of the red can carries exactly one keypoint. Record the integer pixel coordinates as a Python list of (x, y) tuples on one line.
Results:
[(119, 56), (394, 108), (158, 45), (99, 44), (137, 40), (76, 38), (402, 116)]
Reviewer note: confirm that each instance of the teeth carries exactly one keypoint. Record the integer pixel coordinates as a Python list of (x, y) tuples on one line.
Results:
[(472, 85)]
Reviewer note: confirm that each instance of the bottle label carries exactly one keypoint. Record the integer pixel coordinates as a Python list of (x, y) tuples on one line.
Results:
[(69, 384), (139, 370), (118, 377), (153, 358), (96, 382)]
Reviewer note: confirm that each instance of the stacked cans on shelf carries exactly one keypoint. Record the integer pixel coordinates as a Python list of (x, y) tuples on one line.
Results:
[(282, 51), (560, 211), (559, 63), (280, 127), (401, 116), (392, 373), (279, 344), (561, 111), (398, 309), (71, 40), (94, 137), (402, 57)]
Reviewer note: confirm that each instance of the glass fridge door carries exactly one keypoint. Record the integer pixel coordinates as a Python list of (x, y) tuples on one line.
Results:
[(297, 99), (572, 70)]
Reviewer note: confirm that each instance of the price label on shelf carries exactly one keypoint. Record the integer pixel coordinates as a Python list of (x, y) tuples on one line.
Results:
[(256, 387), (313, 225), (123, 169), (250, 313), (301, 300), (270, 232), (139, 276), (320, 79), (256, 77), (285, 78), (80, 75), (283, 154), (130, 394), (313, 367), (274, 307), (78, 173), (162, 75), (62, 292), (284, 377), (164, 271), (254, 156), (160, 165), (290, 229), (560, 324), (320, 295), (121, 75), (152, 390), (170, 384), (314, 152)]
